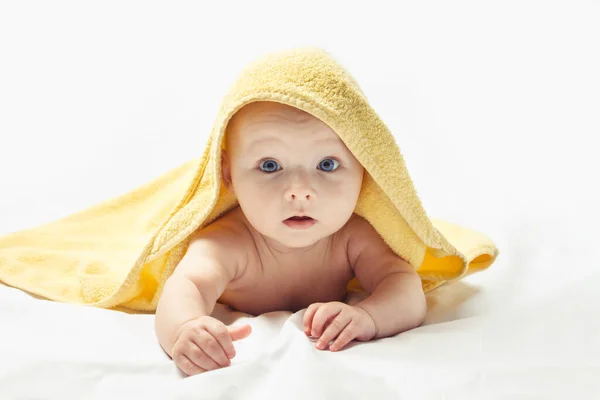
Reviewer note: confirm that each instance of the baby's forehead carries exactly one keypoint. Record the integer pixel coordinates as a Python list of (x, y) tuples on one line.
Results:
[(260, 119), (272, 111)]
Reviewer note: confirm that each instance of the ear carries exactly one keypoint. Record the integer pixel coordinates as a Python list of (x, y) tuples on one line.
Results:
[(226, 169)]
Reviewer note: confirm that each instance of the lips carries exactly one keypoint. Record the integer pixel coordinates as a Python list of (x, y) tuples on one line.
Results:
[(299, 218), (299, 222)]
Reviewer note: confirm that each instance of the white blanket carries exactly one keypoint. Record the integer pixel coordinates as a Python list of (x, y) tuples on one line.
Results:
[(497, 339)]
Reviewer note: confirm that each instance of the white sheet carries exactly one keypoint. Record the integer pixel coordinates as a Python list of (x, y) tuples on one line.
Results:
[(495, 110), (496, 338)]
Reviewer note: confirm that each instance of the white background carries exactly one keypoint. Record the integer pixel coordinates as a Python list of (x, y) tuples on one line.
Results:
[(495, 106)]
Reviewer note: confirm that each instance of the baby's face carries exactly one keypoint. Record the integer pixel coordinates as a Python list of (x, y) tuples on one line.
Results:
[(280, 162)]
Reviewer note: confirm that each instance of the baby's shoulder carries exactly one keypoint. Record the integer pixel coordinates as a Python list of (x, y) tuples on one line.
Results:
[(227, 236), (226, 228), (359, 235), (356, 228)]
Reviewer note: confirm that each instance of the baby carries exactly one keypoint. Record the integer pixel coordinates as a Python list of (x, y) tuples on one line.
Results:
[(292, 243)]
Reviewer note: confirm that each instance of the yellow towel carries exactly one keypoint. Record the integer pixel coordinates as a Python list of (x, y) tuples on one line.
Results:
[(121, 251)]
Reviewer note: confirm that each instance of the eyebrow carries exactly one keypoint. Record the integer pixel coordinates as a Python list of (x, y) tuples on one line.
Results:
[(336, 140)]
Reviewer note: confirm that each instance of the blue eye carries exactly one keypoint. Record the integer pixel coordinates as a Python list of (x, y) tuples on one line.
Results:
[(329, 163), (270, 164)]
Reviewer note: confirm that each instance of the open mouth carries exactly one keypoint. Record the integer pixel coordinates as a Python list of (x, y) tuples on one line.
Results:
[(299, 219), (299, 222)]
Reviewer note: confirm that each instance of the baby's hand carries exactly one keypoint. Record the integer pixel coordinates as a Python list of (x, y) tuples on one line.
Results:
[(345, 323), (205, 344)]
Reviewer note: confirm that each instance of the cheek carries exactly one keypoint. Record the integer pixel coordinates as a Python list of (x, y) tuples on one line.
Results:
[(255, 196), (341, 197), (344, 186)]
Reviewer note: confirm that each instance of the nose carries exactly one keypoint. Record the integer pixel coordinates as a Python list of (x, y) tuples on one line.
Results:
[(300, 189)]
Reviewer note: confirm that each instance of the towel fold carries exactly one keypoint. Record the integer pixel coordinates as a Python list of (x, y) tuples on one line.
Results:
[(120, 252)]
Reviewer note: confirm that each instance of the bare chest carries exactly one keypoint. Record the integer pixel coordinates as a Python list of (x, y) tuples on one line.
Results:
[(268, 285)]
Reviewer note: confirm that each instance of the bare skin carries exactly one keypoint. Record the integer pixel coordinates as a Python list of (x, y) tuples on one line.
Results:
[(282, 162), (320, 274), (311, 172)]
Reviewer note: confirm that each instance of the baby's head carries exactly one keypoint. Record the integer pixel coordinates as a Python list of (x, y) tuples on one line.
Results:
[(280, 161)]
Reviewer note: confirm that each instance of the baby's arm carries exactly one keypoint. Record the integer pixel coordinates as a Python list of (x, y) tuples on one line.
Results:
[(396, 302), (192, 291), (393, 300)]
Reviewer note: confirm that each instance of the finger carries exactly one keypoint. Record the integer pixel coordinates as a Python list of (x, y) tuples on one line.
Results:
[(346, 336), (187, 352), (308, 317), (240, 332), (201, 359), (220, 333), (211, 348), (334, 328), (182, 361), (323, 315), (187, 366)]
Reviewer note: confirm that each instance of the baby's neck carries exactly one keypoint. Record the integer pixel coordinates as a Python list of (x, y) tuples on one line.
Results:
[(280, 250)]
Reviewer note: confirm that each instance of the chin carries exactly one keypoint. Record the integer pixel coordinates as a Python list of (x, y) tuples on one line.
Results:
[(295, 240)]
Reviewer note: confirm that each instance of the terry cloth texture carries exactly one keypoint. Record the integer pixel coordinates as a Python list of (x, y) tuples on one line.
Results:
[(120, 252)]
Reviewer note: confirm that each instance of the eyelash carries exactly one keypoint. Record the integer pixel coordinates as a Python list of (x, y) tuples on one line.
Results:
[(270, 159)]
